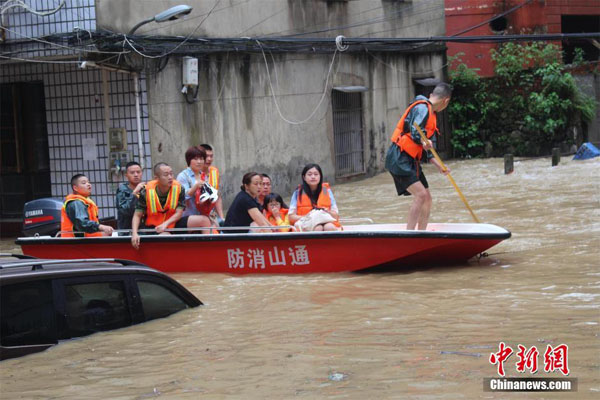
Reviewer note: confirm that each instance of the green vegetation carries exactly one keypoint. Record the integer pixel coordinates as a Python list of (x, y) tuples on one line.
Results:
[(529, 107)]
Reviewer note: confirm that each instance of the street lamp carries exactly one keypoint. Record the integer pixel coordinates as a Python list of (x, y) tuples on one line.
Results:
[(171, 14)]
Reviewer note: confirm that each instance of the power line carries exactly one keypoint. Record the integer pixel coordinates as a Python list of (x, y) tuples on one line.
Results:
[(188, 18), (32, 60), (381, 19), (376, 20), (262, 21), (275, 98), (515, 8), (168, 45), (58, 46), (179, 45)]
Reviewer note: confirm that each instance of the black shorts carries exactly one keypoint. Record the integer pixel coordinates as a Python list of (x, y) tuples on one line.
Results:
[(403, 182), (182, 223)]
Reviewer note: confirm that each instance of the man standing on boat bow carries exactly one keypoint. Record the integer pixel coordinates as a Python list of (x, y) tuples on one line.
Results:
[(403, 158)]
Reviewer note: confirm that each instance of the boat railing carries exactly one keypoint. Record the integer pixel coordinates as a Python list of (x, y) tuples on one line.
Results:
[(193, 229), (127, 232), (357, 220)]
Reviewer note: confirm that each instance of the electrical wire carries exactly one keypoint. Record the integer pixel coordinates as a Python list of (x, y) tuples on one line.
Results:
[(401, 70), (380, 19), (515, 8), (59, 46), (261, 22), (275, 98), (18, 3), (32, 60), (189, 18), (180, 44), (405, 8)]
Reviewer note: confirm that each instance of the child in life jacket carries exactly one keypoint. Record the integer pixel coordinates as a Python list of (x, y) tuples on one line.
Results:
[(276, 212)]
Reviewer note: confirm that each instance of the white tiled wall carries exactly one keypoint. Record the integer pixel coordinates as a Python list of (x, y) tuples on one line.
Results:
[(74, 110)]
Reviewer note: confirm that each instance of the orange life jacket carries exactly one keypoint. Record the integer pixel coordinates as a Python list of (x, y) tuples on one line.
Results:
[(283, 212), (305, 205), (404, 139), (155, 213), (213, 177), (66, 225)]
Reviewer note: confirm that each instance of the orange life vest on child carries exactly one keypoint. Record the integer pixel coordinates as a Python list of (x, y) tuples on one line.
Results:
[(66, 225), (305, 205), (155, 213), (404, 139), (283, 212)]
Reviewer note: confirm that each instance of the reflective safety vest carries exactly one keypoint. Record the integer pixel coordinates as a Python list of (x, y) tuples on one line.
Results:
[(305, 204), (283, 212), (404, 139), (213, 177), (156, 214), (66, 225)]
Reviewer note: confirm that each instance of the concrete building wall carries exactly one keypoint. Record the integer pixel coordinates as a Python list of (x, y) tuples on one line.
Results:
[(236, 112), (236, 109), (237, 18)]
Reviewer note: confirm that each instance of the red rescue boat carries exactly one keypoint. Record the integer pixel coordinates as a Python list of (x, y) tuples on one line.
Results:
[(358, 247)]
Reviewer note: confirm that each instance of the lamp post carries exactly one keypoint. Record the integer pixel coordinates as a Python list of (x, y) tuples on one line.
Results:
[(171, 14)]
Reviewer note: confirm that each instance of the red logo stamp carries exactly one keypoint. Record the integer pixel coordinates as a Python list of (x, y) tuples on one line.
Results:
[(555, 358)]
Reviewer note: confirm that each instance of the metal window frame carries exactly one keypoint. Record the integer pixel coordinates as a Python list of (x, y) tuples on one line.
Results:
[(349, 91)]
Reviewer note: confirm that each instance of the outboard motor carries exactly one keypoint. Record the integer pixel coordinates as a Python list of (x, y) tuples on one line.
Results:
[(42, 217)]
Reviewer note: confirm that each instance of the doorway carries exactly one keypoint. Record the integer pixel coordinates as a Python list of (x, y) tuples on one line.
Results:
[(24, 158)]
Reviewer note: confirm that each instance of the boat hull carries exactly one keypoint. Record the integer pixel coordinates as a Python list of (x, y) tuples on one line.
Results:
[(356, 248)]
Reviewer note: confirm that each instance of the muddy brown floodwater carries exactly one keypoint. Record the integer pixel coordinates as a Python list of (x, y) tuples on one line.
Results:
[(424, 333)]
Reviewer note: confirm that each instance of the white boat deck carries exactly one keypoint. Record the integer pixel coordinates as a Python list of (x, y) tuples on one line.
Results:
[(433, 227)]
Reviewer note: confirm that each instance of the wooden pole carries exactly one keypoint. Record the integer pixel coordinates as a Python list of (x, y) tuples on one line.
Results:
[(437, 157), (555, 156), (508, 164)]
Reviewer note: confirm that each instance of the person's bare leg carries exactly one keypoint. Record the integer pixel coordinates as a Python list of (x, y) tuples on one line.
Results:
[(420, 196), (425, 211), (329, 227), (199, 221), (318, 228)]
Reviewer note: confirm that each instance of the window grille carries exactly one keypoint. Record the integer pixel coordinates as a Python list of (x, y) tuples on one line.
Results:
[(24, 31), (74, 110), (348, 133)]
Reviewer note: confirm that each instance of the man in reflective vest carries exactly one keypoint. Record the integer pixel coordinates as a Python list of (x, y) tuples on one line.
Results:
[(212, 173), (162, 202), (80, 213), (404, 155)]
